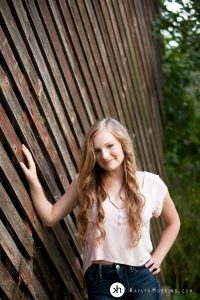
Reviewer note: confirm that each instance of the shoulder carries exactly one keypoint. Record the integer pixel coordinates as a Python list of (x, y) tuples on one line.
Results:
[(155, 191), (155, 183), (146, 176), (151, 179), (151, 176)]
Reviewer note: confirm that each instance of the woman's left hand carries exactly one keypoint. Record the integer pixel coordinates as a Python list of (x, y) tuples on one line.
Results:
[(153, 265)]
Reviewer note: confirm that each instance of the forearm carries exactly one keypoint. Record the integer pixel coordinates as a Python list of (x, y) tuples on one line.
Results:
[(168, 236), (42, 205), (167, 239)]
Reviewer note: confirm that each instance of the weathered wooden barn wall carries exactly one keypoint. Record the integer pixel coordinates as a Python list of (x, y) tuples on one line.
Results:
[(65, 64)]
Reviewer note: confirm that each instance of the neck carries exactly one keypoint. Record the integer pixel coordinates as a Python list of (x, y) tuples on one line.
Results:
[(116, 175)]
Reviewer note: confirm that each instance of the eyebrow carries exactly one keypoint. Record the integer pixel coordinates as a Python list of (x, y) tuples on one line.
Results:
[(107, 143)]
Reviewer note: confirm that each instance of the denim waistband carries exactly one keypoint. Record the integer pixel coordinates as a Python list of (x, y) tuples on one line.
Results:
[(117, 266), (101, 268)]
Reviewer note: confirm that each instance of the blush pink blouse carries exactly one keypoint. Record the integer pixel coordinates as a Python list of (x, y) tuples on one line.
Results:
[(116, 246)]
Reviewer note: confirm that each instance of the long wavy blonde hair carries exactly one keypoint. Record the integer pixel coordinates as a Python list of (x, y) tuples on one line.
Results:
[(93, 182)]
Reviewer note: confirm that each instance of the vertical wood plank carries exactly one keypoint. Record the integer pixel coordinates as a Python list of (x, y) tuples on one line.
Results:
[(64, 65)]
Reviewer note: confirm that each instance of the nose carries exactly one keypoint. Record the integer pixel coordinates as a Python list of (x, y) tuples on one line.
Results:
[(104, 154)]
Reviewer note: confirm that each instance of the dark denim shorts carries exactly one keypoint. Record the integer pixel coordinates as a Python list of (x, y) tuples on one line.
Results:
[(139, 282)]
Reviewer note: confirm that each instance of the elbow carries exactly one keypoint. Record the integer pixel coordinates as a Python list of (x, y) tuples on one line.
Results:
[(177, 225), (48, 223), (48, 219), (178, 221)]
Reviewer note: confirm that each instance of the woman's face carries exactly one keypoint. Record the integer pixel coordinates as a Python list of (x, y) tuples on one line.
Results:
[(108, 151)]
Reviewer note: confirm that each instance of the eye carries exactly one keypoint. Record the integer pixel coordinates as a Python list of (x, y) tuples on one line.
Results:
[(97, 151), (110, 146)]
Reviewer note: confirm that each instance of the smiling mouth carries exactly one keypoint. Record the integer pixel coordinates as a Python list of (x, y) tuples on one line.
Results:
[(107, 161)]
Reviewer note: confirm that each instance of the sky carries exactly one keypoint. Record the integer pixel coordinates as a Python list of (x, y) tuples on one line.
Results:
[(174, 6)]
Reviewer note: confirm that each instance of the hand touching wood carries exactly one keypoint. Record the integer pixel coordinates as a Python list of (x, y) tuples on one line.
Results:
[(30, 169)]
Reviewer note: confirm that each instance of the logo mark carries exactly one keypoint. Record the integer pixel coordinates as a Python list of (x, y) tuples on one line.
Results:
[(117, 289)]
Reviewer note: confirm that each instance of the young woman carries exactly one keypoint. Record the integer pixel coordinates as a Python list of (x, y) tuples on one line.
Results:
[(116, 204)]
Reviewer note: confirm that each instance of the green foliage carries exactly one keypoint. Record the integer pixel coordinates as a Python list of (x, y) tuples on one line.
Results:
[(180, 32), (186, 296)]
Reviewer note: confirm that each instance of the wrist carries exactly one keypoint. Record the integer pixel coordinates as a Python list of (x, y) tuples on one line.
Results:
[(34, 183), (158, 257)]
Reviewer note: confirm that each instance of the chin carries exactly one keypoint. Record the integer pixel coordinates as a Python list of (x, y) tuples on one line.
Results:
[(111, 168)]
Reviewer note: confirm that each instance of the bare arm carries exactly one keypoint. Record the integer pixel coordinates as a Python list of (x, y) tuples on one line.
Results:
[(169, 234), (49, 213)]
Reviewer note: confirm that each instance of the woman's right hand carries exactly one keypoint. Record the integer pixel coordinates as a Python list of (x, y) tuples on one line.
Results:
[(49, 213), (29, 170)]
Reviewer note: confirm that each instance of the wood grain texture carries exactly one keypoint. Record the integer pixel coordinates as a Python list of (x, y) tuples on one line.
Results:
[(64, 65)]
